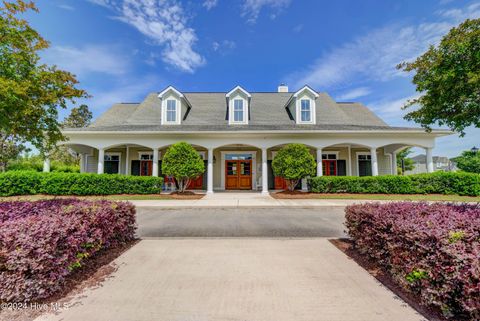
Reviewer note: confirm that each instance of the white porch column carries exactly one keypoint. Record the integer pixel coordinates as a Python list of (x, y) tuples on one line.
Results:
[(350, 160), (429, 160), (210, 171), (127, 161), (264, 171), (319, 162), (155, 162), (82, 163), (394, 164), (373, 153), (46, 165), (101, 156)]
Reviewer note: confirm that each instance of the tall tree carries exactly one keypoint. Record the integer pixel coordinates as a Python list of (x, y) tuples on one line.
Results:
[(30, 92), (448, 79), (79, 117), (10, 148)]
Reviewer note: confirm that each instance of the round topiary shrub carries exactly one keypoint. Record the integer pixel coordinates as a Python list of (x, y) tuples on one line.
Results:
[(182, 162), (294, 162)]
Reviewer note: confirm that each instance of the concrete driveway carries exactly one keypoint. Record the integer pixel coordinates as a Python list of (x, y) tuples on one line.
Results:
[(240, 222), (244, 279)]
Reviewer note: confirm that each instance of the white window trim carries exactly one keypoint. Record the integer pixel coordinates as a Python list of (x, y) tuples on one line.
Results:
[(119, 154), (254, 167), (358, 161), (178, 108), (150, 153), (298, 108), (326, 152), (231, 104)]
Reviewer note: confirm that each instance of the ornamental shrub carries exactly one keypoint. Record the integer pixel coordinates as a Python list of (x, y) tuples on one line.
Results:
[(29, 182), (432, 250), (182, 162), (293, 162), (434, 183), (42, 242)]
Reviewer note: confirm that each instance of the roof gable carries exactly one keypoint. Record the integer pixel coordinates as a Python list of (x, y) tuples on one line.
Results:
[(238, 88)]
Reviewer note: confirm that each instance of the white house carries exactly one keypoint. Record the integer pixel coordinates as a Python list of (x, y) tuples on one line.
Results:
[(238, 133), (440, 163)]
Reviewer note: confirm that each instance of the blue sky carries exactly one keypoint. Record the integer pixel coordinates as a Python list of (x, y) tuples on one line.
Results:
[(123, 49)]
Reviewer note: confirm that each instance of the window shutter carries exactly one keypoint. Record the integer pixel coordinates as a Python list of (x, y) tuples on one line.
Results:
[(341, 167), (135, 168), (271, 182)]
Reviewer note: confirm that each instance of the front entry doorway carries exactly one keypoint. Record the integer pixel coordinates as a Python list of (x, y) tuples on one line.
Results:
[(238, 174)]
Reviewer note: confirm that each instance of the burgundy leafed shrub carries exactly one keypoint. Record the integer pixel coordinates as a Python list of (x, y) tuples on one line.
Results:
[(42, 242), (432, 250)]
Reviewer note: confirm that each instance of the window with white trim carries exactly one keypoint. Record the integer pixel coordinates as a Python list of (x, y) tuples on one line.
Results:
[(171, 111), (238, 111), (145, 155), (305, 111), (111, 163)]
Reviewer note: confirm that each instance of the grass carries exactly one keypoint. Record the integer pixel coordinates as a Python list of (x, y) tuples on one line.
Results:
[(339, 196), (393, 197), (135, 197)]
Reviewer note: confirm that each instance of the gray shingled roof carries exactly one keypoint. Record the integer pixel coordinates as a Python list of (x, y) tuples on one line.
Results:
[(267, 112)]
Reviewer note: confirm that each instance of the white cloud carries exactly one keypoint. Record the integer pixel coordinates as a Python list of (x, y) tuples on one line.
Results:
[(391, 110), (209, 4), (224, 46), (355, 93), (66, 7), (374, 56), (251, 8), (164, 22), (88, 59)]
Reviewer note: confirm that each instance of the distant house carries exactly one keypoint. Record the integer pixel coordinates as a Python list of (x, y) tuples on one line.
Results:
[(440, 163)]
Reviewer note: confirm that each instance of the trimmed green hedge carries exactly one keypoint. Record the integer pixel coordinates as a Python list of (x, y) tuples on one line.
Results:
[(434, 183), (30, 182)]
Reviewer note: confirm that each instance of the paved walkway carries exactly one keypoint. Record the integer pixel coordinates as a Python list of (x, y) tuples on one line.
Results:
[(247, 199), (240, 222), (237, 279)]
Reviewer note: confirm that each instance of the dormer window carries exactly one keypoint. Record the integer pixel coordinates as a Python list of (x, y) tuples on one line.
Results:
[(305, 111), (238, 104), (238, 111), (302, 106), (173, 102), (171, 111)]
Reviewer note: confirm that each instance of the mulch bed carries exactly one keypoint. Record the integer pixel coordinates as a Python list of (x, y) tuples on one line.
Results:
[(346, 246), (91, 275), (293, 195), (187, 195)]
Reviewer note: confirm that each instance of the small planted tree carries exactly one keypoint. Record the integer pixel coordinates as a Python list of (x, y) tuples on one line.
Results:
[(293, 162), (182, 162), (469, 162)]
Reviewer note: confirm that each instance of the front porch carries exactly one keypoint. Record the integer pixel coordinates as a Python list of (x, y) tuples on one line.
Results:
[(246, 164)]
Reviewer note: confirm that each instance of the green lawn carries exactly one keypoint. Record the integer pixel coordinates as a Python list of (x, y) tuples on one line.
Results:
[(393, 197), (397, 197), (106, 197)]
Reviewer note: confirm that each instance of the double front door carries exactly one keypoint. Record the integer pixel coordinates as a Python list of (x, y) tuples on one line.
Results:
[(238, 174)]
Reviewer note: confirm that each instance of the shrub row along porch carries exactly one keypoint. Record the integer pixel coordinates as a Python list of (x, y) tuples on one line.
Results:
[(242, 165)]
